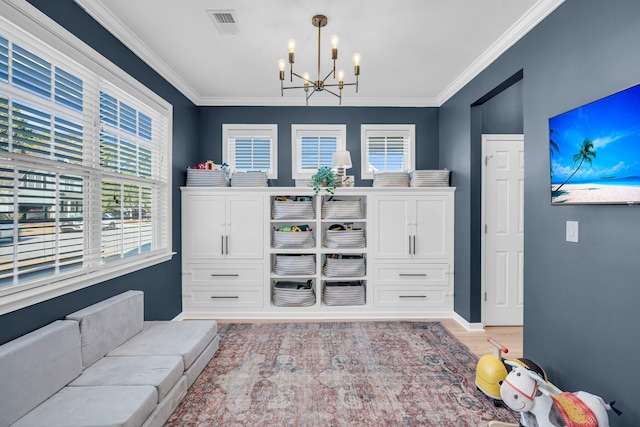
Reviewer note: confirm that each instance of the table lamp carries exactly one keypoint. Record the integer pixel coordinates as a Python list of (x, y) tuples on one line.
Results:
[(341, 161)]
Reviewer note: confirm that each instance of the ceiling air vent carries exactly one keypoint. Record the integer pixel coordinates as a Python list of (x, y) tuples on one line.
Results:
[(224, 20)]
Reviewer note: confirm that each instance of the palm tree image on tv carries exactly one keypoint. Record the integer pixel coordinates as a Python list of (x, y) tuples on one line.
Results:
[(553, 147), (586, 153), (609, 127)]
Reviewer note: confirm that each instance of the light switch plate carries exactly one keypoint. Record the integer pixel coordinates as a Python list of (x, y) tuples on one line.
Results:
[(572, 231)]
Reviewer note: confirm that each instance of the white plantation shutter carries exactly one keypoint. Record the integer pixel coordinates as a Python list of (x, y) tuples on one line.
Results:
[(133, 176), (387, 148), (313, 147), (316, 151), (250, 147), (84, 171)]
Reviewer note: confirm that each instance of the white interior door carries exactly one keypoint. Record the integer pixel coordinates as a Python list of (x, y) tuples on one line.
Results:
[(503, 243)]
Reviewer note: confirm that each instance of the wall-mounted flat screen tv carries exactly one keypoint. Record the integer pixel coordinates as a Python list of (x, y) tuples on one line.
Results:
[(595, 152)]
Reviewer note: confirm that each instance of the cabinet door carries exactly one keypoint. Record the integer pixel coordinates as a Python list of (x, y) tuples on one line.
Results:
[(204, 226), (431, 227), (392, 226), (245, 230)]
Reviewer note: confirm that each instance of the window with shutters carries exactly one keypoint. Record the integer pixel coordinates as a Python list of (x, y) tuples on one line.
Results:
[(387, 148), (312, 146), (249, 147), (84, 170)]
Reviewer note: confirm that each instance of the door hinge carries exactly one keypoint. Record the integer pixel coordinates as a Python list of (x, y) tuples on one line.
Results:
[(486, 228)]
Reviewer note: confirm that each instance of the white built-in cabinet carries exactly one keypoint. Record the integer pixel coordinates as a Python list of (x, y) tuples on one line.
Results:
[(222, 226), (223, 251), (413, 251), (233, 256), (412, 227)]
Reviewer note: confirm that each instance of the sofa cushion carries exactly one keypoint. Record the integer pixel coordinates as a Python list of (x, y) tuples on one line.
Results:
[(187, 339), (163, 411), (126, 406), (161, 372), (109, 323), (35, 366), (202, 361)]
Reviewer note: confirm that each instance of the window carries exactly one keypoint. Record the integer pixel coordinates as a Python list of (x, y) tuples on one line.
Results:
[(84, 168), (312, 146), (387, 148), (251, 148)]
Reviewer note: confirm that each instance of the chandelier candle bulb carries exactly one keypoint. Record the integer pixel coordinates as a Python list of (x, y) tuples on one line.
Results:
[(291, 44), (305, 77), (282, 64), (334, 47)]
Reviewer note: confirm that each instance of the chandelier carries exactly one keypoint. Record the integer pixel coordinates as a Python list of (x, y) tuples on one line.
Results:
[(320, 84)]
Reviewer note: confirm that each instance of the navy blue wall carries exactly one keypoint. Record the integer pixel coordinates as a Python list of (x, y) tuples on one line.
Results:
[(503, 113), (162, 283), (211, 120), (581, 317)]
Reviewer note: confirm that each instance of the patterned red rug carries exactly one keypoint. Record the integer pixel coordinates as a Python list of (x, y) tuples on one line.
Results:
[(338, 374)]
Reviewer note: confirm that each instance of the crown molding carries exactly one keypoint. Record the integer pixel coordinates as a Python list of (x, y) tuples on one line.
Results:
[(111, 23), (328, 101), (526, 23)]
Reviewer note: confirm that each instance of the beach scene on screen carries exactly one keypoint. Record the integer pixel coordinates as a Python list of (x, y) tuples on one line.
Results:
[(595, 151)]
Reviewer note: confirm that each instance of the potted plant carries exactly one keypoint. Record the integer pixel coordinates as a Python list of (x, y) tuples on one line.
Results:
[(325, 178)]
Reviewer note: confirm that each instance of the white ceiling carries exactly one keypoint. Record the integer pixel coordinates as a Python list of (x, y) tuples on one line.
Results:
[(414, 52)]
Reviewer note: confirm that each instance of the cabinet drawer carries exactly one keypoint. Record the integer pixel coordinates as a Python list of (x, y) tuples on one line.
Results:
[(225, 297), (226, 274), (416, 296), (411, 274)]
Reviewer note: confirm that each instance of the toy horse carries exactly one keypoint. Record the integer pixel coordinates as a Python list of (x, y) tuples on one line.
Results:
[(541, 405)]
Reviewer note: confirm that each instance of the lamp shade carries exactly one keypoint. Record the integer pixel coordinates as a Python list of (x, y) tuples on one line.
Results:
[(342, 159)]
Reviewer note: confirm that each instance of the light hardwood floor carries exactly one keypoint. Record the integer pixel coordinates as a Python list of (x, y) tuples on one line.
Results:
[(509, 336)]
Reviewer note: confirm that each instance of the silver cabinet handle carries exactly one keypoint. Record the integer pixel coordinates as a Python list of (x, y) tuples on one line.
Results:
[(414, 244), (412, 296), (221, 245), (231, 297), (225, 275), (412, 274), (409, 245), (226, 240)]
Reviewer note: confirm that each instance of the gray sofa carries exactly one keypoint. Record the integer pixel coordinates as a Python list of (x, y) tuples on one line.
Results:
[(103, 366)]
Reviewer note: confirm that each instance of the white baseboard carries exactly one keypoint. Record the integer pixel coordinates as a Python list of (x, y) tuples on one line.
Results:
[(471, 327)]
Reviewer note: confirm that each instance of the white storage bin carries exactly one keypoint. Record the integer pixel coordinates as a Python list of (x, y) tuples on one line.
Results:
[(342, 239), (293, 294), (344, 293), (430, 178), (340, 209), (206, 178), (293, 240), (292, 210), (344, 267), (294, 264)]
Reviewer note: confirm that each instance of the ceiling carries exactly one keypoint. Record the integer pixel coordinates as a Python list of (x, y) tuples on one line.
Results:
[(414, 52)]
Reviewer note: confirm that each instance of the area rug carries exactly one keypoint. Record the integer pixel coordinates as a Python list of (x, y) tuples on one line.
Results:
[(338, 374)]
